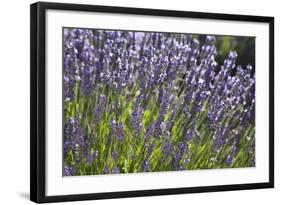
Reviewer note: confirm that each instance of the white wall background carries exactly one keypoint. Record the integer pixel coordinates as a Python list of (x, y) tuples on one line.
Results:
[(14, 100)]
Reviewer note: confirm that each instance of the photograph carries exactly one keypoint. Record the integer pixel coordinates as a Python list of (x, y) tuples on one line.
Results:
[(153, 101), (135, 102)]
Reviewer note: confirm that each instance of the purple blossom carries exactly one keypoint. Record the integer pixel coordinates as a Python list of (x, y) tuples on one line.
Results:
[(69, 171), (75, 139), (99, 110), (182, 149), (107, 169), (115, 156), (79, 61), (136, 116), (120, 131), (167, 147), (146, 161), (146, 166), (116, 170), (149, 131), (220, 137), (117, 130), (92, 156), (160, 125), (230, 157), (192, 132)]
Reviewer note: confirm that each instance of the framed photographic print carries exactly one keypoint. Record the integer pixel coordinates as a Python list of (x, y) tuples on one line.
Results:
[(129, 102)]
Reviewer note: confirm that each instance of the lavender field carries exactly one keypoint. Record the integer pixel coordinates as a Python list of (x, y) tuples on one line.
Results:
[(150, 102)]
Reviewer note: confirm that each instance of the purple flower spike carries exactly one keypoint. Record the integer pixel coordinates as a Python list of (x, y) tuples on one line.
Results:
[(75, 139), (120, 132), (117, 130), (69, 171), (116, 170), (98, 112), (146, 166), (192, 132), (115, 156), (136, 116), (107, 169)]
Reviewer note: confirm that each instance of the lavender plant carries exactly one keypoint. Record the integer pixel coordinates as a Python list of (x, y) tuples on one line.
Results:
[(149, 102)]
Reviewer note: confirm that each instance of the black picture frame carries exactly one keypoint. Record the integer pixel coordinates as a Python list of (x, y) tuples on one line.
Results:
[(38, 101)]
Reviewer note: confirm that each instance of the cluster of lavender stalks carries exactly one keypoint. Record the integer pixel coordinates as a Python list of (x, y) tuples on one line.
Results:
[(147, 101)]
